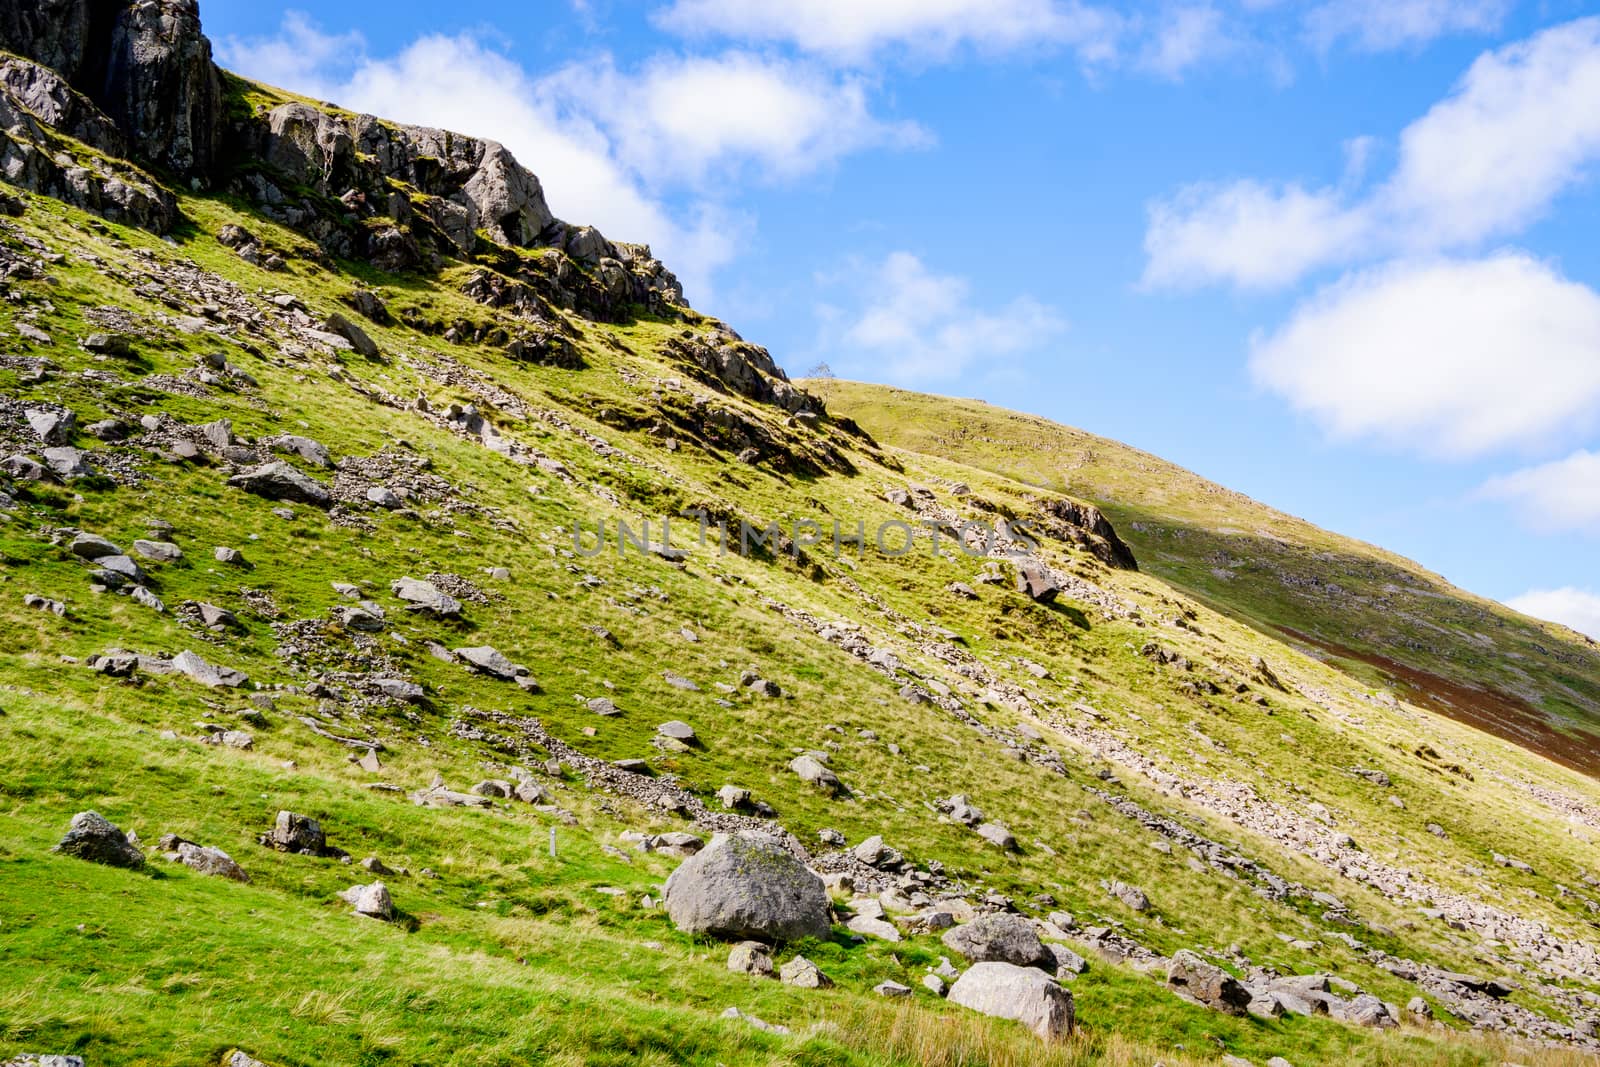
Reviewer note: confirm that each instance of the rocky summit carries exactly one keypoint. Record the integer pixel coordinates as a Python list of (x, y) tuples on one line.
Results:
[(358, 511)]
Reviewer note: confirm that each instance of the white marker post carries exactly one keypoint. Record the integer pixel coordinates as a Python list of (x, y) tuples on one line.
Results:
[(552, 842)]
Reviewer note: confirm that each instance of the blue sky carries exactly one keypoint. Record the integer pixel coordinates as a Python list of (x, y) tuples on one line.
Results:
[(1340, 255)]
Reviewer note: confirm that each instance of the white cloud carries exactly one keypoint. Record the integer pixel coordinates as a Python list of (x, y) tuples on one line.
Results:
[(1453, 358), (301, 57), (1560, 495), (682, 117), (1184, 38), (855, 29), (1381, 25), (1578, 609), (917, 325), (1519, 128), (1253, 234)]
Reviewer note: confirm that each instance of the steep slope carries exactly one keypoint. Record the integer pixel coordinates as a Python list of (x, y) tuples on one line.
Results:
[(1379, 615), (346, 451)]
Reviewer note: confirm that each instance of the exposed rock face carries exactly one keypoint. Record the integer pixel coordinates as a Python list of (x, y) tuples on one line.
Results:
[(1084, 525), (33, 100), (749, 888), (146, 66), (160, 86), (1006, 991), (727, 361)]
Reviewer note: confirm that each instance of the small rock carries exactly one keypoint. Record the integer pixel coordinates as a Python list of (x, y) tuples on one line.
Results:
[(296, 833), (803, 974), (489, 661), (209, 674), (811, 770), (92, 546), (678, 731), (372, 900), (751, 957)]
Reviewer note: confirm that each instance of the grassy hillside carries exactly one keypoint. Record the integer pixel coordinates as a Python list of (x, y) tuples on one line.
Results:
[(1383, 618), (1151, 728)]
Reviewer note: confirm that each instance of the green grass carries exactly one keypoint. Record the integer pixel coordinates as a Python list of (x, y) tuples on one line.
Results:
[(510, 957)]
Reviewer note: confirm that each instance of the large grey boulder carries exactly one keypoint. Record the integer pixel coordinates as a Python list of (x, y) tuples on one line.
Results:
[(998, 937), (92, 837), (747, 887), (1194, 978), (1006, 991), (279, 481)]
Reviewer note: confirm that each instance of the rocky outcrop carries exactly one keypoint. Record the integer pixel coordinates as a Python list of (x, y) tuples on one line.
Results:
[(1084, 526), (146, 66), (137, 81), (726, 361), (38, 107)]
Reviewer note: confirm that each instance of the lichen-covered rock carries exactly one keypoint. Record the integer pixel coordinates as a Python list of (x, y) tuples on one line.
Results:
[(747, 887)]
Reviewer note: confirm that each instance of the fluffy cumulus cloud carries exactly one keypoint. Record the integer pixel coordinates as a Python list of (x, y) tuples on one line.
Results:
[(1381, 25), (632, 153), (1563, 494), (683, 117), (1254, 234), (1575, 608), (850, 30), (1451, 358), (921, 326), (1521, 127)]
